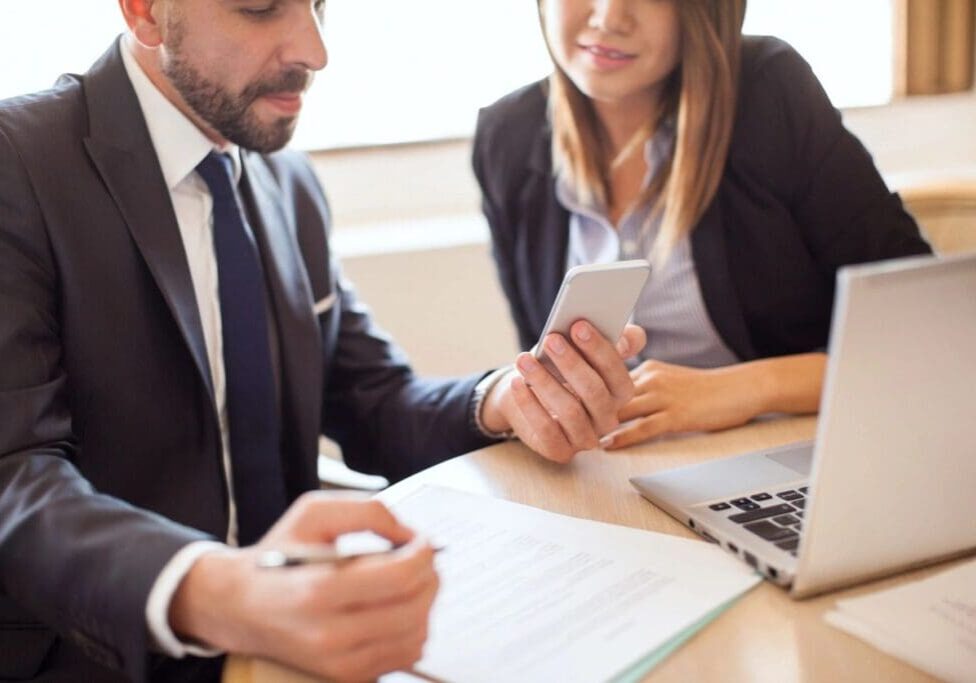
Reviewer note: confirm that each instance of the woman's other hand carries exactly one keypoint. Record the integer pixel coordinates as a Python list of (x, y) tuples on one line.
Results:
[(671, 399)]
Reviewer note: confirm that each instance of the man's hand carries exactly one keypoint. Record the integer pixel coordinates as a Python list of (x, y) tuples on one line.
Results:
[(349, 621), (558, 420)]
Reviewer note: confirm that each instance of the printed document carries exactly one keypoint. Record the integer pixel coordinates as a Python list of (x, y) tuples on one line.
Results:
[(931, 624), (530, 595)]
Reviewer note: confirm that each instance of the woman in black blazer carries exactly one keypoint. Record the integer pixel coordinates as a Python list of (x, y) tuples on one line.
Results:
[(664, 133)]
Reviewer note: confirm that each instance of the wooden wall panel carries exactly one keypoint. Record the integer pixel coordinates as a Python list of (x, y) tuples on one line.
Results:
[(934, 46)]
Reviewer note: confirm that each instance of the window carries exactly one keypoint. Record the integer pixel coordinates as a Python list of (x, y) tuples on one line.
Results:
[(41, 40), (402, 71), (848, 44)]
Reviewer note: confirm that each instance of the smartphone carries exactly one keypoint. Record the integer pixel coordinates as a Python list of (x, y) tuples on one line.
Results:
[(603, 294)]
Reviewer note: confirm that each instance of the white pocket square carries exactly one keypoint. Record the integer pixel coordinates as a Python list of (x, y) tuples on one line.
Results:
[(325, 304)]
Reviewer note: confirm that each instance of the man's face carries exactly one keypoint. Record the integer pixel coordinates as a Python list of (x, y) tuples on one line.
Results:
[(242, 66)]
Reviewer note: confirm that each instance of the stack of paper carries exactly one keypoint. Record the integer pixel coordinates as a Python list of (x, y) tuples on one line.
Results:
[(530, 595), (930, 624)]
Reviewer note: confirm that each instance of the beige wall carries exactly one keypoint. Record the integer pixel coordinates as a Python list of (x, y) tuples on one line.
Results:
[(444, 306)]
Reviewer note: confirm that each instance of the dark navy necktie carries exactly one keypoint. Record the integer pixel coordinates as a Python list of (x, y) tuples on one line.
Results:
[(252, 415)]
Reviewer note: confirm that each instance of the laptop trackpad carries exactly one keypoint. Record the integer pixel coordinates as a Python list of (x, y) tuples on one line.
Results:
[(732, 476), (798, 460)]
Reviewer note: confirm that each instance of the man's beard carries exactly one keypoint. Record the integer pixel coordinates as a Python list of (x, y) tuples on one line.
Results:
[(231, 115)]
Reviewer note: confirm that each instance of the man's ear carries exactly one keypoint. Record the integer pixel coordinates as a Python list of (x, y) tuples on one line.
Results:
[(143, 18)]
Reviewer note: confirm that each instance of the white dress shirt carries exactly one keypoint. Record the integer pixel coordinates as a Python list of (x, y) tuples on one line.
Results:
[(180, 146)]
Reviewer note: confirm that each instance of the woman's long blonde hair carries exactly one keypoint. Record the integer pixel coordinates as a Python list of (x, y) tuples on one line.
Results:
[(701, 97)]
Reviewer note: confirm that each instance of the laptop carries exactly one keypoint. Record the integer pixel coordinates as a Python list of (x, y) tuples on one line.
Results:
[(889, 481)]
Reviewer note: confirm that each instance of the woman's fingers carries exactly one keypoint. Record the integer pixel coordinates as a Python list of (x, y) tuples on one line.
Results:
[(641, 429)]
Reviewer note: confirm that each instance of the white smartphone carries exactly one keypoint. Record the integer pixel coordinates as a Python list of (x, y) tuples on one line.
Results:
[(603, 294)]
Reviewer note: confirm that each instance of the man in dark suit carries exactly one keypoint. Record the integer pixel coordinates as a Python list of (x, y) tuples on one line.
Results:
[(175, 335)]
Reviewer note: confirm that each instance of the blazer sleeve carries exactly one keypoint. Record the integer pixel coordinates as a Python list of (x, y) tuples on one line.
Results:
[(500, 225), (822, 171), (77, 560), (386, 419)]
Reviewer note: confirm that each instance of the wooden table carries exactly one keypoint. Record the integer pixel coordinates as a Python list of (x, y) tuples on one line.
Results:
[(766, 636)]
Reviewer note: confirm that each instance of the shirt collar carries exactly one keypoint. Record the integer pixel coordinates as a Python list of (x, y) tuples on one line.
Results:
[(657, 149), (179, 144)]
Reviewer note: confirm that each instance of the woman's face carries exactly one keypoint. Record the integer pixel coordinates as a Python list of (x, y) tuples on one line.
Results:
[(614, 51)]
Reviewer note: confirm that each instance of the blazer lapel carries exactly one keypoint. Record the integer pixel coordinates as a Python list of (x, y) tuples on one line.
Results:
[(718, 290), (121, 149), (291, 295), (542, 255)]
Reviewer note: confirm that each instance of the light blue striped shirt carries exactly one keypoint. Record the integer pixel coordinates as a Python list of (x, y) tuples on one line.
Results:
[(670, 309)]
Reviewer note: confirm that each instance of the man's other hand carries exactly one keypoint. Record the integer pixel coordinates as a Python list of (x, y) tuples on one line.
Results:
[(353, 620)]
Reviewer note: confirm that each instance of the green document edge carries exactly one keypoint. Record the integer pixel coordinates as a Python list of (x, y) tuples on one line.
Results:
[(635, 673)]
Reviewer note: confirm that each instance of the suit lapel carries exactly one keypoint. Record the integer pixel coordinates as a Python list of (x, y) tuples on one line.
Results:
[(291, 296), (121, 149)]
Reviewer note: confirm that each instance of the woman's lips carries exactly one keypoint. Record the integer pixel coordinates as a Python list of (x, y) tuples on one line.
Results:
[(605, 57)]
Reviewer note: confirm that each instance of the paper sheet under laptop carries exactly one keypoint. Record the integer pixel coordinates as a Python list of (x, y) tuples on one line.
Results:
[(931, 624), (536, 596)]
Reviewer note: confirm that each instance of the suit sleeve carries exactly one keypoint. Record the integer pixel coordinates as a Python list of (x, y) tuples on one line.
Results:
[(70, 557), (502, 231), (386, 419), (823, 172)]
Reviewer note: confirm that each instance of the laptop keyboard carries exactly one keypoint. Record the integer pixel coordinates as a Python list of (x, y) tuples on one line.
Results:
[(774, 517)]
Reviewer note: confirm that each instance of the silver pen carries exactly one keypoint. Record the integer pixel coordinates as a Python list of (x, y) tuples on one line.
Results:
[(317, 554)]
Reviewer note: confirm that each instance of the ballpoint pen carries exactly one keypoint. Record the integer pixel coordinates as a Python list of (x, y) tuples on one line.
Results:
[(318, 554)]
